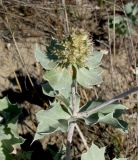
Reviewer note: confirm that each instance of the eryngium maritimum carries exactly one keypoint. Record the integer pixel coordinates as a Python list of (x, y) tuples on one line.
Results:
[(73, 49)]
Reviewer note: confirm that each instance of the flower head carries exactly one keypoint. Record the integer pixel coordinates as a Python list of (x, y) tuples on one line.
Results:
[(73, 49)]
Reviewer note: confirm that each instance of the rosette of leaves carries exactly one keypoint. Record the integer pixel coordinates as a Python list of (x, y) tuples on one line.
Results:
[(69, 59)]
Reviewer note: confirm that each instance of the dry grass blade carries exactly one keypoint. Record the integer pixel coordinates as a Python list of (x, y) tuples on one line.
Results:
[(18, 51)]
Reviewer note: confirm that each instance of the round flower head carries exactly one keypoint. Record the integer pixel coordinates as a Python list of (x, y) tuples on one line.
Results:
[(73, 49)]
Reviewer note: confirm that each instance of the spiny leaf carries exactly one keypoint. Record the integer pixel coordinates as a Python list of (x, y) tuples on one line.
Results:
[(59, 154), (3, 136), (44, 60), (8, 146), (8, 143), (48, 90), (9, 137), (51, 120), (60, 80), (10, 112), (120, 159), (94, 59), (131, 8), (4, 103), (110, 119), (109, 108), (24, 155), (94, 153), (107, 115), (88, 77)]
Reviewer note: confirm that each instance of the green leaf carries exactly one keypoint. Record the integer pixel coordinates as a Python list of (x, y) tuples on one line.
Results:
[(8, 147), (94, 153), (65, 101), (51, 120), (94, 59), (107, 115), (10, 113), (120, 159), (130, 7), (59, 154), (4, 103), (118, 19), (92, 119), (48, 90), (7, 143), (9, 137), (24, 155), (3, 136), (60, 80), (44, 60), (109, 108), (110, 119), (88, 77)]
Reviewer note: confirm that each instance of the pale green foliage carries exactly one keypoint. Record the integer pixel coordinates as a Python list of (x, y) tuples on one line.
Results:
[(9, 137), (60, 80), (54, 119), (124, 25), (88, 77), (95, 153), (108, 115), (46, 62), (120, 159), (131, 10), (59, 154), (3, 136), (48, 90), (3, 103), (83, 69), (94, 59)]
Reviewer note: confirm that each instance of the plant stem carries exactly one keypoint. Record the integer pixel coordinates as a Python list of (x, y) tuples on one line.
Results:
[(82, 136), (73, 91), (69, 140), (72, 124)]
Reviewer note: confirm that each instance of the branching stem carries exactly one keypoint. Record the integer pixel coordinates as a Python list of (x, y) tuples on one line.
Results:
[(82, 136)]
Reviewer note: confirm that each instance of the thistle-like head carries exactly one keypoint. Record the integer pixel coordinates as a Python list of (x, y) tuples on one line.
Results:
[(73, 49)]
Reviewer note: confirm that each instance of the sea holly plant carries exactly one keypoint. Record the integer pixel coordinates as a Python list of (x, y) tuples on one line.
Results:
[(69, 63)]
